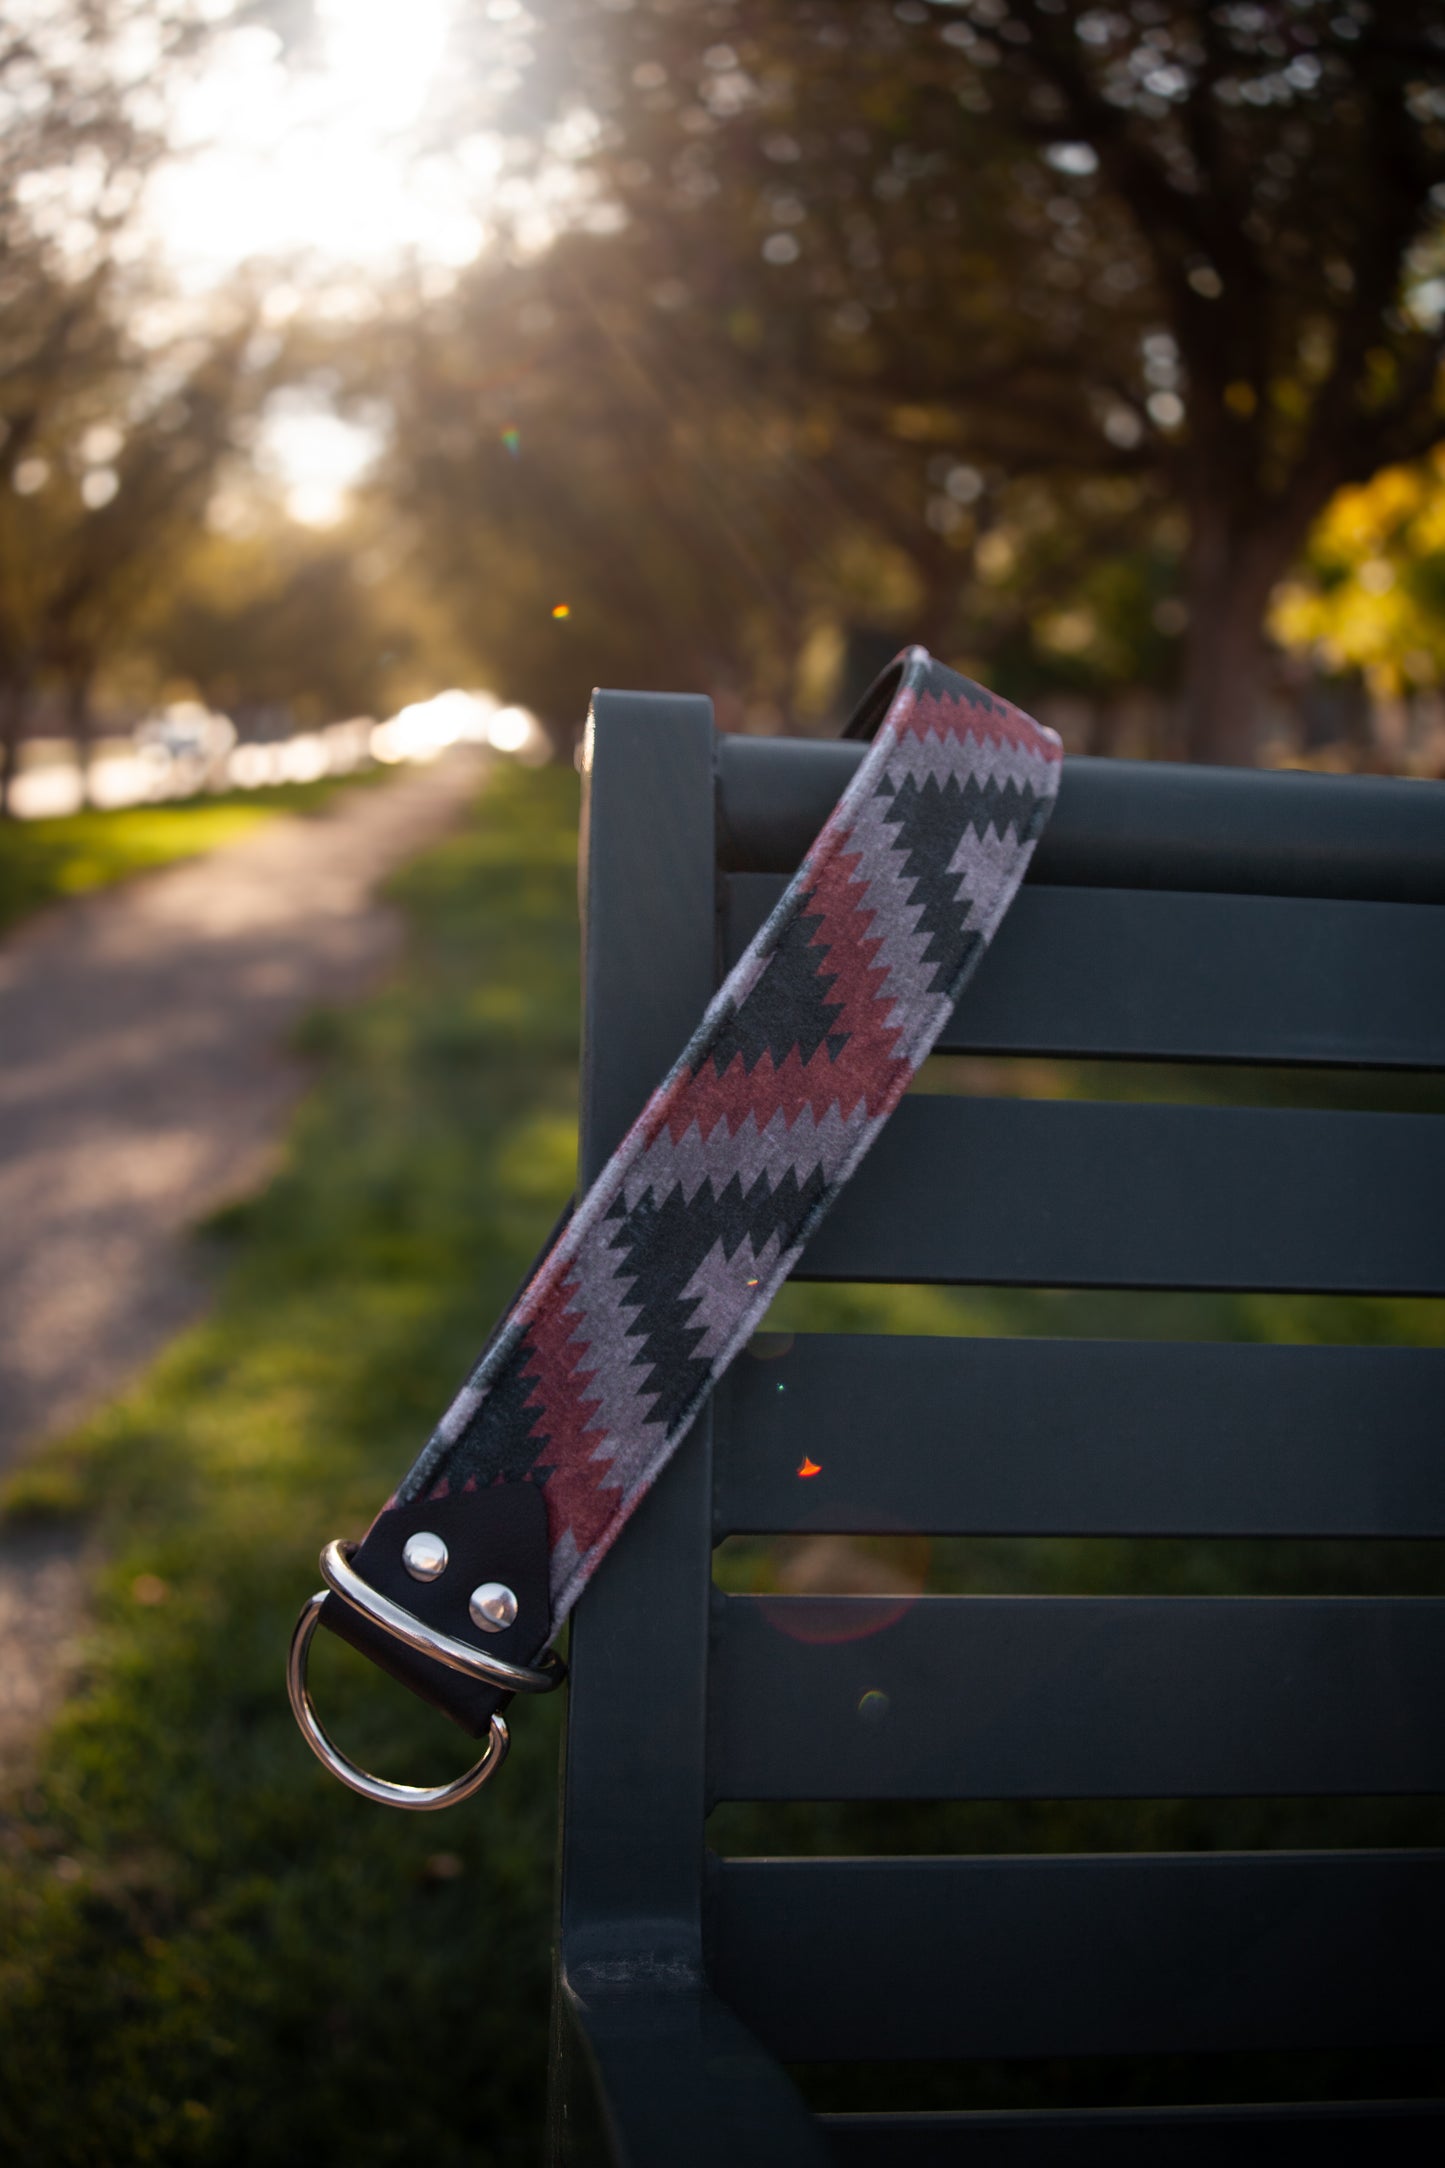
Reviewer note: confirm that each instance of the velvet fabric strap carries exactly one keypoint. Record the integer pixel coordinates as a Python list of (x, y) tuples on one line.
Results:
[(671, 1260)]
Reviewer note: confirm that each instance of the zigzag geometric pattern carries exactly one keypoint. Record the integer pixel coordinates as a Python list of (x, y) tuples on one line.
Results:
[(673, 1257)]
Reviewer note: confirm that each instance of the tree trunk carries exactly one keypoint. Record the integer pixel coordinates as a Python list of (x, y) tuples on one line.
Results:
[(1233, 567), (14, 708), (78, 722), (939, 578), (1229, 578)]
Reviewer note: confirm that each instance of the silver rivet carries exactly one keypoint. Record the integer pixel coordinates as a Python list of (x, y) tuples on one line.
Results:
[(425, 1556), (492, 1606)]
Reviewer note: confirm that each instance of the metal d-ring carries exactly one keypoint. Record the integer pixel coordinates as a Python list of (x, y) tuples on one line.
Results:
[(340, 1575), (420, 1798)]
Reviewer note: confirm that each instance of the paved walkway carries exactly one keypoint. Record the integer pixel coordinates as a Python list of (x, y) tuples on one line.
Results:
[(144, 1081)]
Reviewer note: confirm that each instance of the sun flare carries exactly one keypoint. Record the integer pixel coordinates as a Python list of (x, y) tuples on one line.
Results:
[(314, 158)]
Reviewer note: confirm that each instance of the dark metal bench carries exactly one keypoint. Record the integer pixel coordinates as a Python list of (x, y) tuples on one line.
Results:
[(1171, 915)]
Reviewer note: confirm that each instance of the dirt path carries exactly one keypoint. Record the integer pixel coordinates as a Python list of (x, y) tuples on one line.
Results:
[(144, 1080)]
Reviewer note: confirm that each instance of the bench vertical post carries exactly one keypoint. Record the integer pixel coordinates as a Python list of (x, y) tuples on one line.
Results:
[(631, 1998)]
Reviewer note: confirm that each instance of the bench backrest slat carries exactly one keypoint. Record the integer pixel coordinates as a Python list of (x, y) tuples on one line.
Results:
[(1058, 1194), (1132, 824), (1341, 2134), (1075, 1697), (1097, 1956), (1161, 976), (1082, 1437)]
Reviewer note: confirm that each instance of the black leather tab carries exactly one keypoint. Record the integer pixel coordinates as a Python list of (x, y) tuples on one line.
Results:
[(498, 1534)]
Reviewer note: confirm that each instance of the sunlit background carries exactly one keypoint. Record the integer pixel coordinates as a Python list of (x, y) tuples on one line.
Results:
[(297, 166), (317, 164), (360, 349), (314, 157)]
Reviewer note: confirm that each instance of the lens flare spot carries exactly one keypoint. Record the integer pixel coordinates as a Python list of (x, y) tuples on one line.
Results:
[(810, 1467), (873, 1706), (766, 1347), (512, 439), (561, 609)]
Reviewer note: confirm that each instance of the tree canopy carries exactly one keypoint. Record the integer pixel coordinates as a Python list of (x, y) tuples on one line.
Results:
[(1196, 246), (113, 421)]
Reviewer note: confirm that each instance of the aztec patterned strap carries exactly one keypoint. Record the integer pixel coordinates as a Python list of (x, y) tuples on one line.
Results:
[(671, 1260)]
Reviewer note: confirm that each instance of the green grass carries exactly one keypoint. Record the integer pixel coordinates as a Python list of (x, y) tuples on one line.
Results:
[(46, 860), (208, 1950)]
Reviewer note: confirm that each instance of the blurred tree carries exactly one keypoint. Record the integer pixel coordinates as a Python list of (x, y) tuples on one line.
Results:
[(72, 160), (130, 462), (584, 510), (114, 415), (1192, 244), (589, 498), (274, 619)]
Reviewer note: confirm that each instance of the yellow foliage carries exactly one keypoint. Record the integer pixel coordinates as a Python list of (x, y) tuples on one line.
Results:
[(1371, 597)]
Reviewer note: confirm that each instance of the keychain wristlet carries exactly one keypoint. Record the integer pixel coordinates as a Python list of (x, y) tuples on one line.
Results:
[(671, 1260)]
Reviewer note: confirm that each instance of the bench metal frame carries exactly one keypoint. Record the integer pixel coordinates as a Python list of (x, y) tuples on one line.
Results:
[(1170, 914)]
